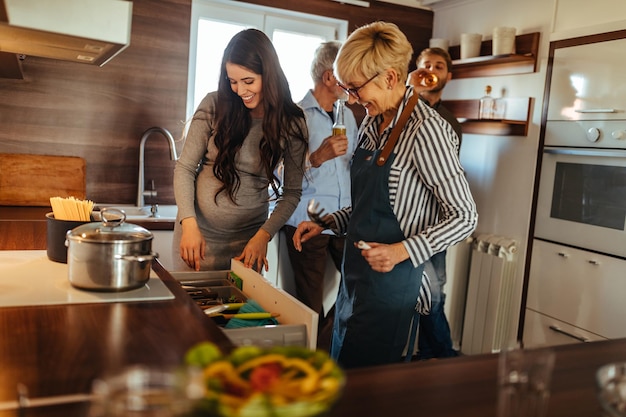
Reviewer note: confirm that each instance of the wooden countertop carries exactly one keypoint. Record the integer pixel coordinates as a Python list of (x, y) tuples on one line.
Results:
[(59, 350), (24, 228), (466, 386)]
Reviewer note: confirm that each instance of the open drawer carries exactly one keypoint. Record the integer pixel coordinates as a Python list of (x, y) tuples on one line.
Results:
[(297, 323)]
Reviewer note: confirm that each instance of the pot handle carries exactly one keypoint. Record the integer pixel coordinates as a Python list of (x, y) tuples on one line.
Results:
[(137, 258), (118, 219)]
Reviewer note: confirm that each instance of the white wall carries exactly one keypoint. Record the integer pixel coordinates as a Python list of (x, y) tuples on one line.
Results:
[(501, 169)]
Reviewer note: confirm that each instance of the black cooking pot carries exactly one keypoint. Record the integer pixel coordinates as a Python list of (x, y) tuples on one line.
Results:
[(56, 233)]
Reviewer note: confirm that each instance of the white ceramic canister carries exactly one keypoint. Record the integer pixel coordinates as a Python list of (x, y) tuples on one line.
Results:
[(438, 43), (503, 40), (470, 45)]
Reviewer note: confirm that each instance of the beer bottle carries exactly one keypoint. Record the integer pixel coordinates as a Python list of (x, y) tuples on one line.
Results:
[(339, 127)]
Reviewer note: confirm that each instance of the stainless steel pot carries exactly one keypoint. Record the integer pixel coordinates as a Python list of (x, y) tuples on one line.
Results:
[(110, 255)]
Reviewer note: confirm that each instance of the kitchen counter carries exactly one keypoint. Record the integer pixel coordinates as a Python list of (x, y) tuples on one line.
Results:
[(466, 386), (58, 350), (24, 228), (29, 278)]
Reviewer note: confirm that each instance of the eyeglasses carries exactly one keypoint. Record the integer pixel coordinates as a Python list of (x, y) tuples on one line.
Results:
[(354, 92)]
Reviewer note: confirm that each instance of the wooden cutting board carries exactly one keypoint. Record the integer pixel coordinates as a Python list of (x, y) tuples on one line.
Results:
[(30, 180)]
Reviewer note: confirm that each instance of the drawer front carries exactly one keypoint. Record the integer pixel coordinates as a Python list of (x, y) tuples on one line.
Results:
[(584, 289), (541, 330), (297, 322), (276, 300), (282, 335)]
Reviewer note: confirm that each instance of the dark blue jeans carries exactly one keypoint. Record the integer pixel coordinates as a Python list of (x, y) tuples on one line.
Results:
[(434, 331)]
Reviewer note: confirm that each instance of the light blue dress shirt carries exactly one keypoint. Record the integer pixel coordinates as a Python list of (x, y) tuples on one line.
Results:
[(329, 184)]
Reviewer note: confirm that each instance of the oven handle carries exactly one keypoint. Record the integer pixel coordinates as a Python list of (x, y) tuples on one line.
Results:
[(615, 153), (595, 111)]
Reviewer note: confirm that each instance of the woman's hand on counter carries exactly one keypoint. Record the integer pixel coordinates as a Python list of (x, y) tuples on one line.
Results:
[(254, 255), (192, 244)]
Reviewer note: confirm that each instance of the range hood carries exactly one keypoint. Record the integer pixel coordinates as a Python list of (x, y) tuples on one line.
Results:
[(86, 31)]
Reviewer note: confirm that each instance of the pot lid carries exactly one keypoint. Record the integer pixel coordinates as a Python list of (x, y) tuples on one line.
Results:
[(112, 229)]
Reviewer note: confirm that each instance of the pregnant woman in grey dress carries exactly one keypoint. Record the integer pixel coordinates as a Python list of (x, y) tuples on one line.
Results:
[(237, 138)]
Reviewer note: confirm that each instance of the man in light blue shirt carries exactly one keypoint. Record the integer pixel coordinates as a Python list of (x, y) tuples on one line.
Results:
[(327, 181)]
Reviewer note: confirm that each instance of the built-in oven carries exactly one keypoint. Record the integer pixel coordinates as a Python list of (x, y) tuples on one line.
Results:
[(581, 198), (582, 187)]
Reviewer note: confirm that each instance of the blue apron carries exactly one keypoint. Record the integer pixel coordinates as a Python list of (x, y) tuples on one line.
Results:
[(374, 309)]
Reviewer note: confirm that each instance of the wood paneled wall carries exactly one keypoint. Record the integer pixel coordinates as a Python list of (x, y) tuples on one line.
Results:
[(100, 113)]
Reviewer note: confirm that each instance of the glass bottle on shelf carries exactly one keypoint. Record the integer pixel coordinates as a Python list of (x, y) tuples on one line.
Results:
[(486, 106), (339, 127), (499, 106)]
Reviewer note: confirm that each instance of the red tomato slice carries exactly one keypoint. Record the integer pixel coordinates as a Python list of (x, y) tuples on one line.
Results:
[(262, 377)]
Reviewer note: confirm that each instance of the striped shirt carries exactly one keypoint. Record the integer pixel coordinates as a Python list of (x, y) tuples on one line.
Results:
[(428, 191)]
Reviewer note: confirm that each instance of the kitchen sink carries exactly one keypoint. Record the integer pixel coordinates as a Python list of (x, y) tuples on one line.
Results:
[(164, 212)]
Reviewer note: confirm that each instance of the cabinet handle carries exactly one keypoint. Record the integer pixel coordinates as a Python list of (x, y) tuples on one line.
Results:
[(563, 254), (563, 332), (593, 262)]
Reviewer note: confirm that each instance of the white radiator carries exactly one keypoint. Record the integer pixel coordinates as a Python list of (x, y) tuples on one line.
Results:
[(489, 324)]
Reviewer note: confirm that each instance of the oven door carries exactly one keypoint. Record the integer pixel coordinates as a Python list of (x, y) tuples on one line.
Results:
[(582, 199)]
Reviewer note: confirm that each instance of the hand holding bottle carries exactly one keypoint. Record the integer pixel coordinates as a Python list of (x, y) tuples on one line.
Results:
[(331, 147), (334, 145)]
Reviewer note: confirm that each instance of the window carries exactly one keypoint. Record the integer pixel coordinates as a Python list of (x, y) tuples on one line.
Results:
[(295, 37)]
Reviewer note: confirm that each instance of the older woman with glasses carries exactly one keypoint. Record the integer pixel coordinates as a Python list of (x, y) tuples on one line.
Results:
[(410, 200)]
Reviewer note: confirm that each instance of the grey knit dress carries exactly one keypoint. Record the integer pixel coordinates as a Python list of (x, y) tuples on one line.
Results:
[(226, 225)]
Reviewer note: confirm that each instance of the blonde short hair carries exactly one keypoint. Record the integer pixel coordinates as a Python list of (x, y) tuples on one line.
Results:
[(372, 49)]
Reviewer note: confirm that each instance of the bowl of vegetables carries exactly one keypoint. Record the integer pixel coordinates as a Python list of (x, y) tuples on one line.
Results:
[(261, 382)]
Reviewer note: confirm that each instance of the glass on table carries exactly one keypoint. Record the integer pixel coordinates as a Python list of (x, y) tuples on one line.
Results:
[(144, 391), (524, 377)]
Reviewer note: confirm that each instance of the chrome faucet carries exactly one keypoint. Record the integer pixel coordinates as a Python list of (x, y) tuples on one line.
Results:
[(141, 192)]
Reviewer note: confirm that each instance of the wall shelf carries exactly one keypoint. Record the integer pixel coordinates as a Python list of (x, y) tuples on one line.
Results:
[(487, 65), (514, 123)]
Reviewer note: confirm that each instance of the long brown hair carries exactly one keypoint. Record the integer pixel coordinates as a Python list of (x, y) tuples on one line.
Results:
[(253, 50)]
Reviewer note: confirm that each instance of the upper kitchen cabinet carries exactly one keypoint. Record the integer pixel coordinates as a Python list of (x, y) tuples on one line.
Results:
[(524, 60), (574, 18), (588, 79)]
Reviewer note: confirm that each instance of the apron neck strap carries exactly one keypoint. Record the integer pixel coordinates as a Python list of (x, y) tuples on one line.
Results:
[(397, 129)]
